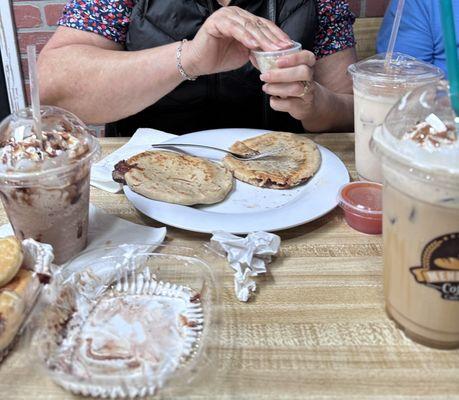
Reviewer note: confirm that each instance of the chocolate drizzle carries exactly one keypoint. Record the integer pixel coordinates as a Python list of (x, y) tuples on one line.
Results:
[(425, 134)]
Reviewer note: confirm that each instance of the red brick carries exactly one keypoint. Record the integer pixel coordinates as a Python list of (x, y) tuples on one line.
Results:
[(53, 12), (27, 16), (39, 39), (376, 8), (355, 7), (25, 68)]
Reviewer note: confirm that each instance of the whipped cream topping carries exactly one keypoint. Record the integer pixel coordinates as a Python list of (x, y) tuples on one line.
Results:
[(24, 150), (432, 133)]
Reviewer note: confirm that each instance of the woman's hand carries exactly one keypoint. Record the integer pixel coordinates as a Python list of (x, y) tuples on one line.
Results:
[(292, 85), (224, 41)]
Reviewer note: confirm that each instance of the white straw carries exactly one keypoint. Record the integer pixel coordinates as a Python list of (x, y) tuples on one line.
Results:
[(394, 33), (35, 96)]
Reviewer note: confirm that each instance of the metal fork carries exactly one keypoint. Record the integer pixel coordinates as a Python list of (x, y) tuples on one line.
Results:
[(249, 157)]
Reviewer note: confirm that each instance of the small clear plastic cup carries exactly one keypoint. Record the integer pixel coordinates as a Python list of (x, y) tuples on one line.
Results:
[(362, 206), (266, 60)]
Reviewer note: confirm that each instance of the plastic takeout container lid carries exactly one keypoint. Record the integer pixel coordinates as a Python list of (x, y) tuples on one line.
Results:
[(362, 197), (404, 69), (278, 53)]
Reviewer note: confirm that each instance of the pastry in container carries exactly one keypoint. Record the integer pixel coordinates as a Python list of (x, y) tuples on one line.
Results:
[(124, 325), (24, 268)]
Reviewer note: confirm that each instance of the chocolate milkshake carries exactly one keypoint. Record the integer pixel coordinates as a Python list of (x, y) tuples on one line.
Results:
[(44, 184), (420, 152), (376, 89)]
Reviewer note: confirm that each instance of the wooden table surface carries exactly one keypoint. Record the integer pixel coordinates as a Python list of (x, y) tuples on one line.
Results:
[(316, 328)]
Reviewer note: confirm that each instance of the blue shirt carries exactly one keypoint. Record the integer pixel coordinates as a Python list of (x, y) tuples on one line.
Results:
[(420, 33)]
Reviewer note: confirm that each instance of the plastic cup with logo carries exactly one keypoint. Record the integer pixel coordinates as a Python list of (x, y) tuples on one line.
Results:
[(266, 60), (419, 148), (44, 185), (376, 89)]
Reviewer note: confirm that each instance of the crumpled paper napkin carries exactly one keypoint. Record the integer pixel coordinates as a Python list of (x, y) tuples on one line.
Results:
[(101, 172), (108, 230), (248, 257)]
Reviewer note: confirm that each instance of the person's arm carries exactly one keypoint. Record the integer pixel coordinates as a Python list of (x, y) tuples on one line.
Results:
[(314, 87), (415, 33), (91, 76)]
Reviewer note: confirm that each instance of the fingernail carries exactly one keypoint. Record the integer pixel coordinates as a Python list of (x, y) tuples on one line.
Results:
[(265, 86), (263, 76), (280, 62)]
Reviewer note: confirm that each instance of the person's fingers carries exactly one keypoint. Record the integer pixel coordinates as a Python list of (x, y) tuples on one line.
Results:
[(267, 43), (297, 108), (294, 89), (266, 24), (225, 27), (291, 60), (292, 74)]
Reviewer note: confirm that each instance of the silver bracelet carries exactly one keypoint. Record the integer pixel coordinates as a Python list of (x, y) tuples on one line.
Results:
[(178, 57)]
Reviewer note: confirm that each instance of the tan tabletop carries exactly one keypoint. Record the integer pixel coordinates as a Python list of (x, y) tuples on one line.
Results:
[(316, 328)]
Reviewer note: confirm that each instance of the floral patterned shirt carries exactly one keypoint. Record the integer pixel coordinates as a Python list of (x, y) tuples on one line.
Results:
[(110, 18)]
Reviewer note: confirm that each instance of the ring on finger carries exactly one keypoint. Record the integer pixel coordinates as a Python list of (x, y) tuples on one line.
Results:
[(306, 87)]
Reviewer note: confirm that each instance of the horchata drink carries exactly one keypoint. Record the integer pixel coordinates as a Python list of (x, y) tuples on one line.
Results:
[(376, 89), (44, 184), (419, 147)]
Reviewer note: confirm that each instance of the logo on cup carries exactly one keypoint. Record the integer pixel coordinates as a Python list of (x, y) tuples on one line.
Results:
[(440, 266)]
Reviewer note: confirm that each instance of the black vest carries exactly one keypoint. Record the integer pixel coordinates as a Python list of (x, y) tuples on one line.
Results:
[(227, 100)]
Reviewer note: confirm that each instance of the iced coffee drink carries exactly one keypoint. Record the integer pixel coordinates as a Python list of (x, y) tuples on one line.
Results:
[(44, 184), (420, 153), (376, 89)]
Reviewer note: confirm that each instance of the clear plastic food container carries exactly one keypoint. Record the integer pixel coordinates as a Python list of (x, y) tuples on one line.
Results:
[(361, 202), (266, 60), (126, 322)]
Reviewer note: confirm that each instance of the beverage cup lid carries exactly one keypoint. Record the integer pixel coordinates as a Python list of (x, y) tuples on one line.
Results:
[(403, 141), (19, 125), (404, 69)]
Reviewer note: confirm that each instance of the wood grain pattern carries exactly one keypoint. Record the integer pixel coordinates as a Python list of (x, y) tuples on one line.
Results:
[(366, 30), (316, 328)]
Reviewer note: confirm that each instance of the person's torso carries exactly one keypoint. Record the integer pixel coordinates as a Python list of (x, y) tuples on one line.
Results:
[(230, 99)]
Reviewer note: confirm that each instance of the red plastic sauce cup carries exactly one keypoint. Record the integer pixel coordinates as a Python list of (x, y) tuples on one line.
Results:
[(362, 205)]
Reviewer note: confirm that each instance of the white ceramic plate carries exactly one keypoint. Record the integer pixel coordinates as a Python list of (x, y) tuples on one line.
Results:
[(248, 208)]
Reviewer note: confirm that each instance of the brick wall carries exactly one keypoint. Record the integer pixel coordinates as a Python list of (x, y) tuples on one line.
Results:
[(36, 21)]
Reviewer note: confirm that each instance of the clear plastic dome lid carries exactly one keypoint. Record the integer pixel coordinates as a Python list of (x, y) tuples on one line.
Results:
[(421, 133), (65, 140), (403, 69)]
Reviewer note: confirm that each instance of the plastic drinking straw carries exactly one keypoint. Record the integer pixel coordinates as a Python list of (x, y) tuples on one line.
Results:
[(449, 34), (34, 94), (394, 33)]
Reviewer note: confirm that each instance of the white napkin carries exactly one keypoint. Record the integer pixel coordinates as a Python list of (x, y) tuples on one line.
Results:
[(109, 230), (248, 257), (101, 172)]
